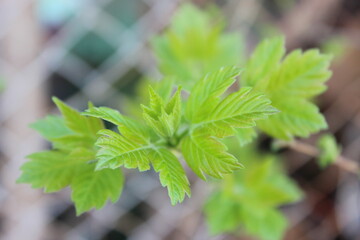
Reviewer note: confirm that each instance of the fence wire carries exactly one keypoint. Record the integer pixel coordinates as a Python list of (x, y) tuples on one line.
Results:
[(98, 51)]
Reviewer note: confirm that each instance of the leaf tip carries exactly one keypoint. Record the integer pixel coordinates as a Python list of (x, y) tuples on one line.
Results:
[(57, 101)]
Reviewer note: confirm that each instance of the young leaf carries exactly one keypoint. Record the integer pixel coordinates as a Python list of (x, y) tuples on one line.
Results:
[(125, 150), (222, 213), (212, 117), (76, 122), (74, 130), (51, 127), (65, 134), (297, 117), (206, 92), (250, 199), (195, 45), (274, 222), (70, 163), (92, 189), (265, 58), (127, 127), (245, 135), (329, 150), (51, 170), (172, 175), (298, 78), (301, 75), (164, 87), (238, 110), (118, 150), (205, 154), (54, 170), (225, 214), (163, 118)]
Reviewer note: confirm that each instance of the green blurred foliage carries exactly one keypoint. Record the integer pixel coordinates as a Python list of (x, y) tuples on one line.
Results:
[(195, 44), (247, 201), (329, 150), (2, 84), (290, 81), (335, 46)]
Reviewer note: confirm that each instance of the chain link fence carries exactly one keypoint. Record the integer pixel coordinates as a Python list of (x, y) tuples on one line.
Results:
[(98, 50)]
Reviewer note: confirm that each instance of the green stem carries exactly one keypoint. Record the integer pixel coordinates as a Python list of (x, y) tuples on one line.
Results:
[(344, 163), (182, 135), (172, 142)]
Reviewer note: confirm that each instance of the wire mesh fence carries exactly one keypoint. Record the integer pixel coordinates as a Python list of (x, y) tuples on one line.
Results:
[(98, 50)]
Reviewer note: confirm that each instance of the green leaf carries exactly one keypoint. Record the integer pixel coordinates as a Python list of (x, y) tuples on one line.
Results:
[(329, 150), (222, 214), (164, 87), (76, 122), (238, 110), (54, 170), (51, 127), (118, 150), (265, 58), (51, 170), (70, 132), (297, 118), (122, 150), (290, 84), (248, 200), (245, 135), (225, 214), (270, 185), (73, 164), (273, 222), (73, 130), (127, 127), (163, 118), (72, 141), (172, 174), (195, 45), (205, 154), (92, 189), (301, 75), (206, 92)]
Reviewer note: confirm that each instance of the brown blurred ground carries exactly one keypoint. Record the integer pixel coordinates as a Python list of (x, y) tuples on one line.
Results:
[(39, 59)]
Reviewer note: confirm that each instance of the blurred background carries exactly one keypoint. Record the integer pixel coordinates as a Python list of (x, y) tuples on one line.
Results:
[(81, 50)]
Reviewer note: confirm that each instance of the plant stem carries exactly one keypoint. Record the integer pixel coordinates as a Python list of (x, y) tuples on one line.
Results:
[(182, 134), (341, 161)]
